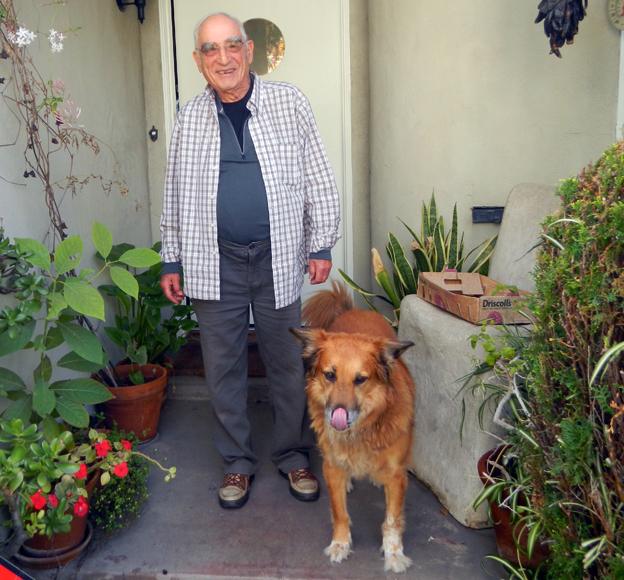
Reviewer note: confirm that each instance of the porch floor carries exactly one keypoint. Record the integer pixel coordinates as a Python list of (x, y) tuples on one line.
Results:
[(184, 534)]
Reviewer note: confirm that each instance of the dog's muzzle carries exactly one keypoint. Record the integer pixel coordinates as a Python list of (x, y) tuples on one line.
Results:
[(340, 418)]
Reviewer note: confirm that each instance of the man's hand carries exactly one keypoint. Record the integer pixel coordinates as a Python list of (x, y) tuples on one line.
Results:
[(319, 270), (170, 284)]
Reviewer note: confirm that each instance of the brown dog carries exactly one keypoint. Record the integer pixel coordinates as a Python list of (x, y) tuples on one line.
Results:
[(361, 401)]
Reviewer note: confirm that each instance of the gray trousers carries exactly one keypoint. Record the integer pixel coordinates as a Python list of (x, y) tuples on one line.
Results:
[(247, 279)]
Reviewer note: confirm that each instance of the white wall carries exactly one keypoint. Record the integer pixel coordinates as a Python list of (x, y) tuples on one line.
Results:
[(101, 68), (466, 101)]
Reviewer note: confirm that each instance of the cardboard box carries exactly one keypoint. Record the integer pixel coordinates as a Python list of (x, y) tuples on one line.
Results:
[(471, 297)]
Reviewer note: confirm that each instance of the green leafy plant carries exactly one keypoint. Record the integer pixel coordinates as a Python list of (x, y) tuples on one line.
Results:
[(55, 299), (434, 250), (564, 390), (115, 505), (146, 326), (42, 481)]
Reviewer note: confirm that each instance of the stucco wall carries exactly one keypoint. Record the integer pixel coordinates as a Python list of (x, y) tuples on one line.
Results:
[(360, 153), (466, 101), (101, 69)]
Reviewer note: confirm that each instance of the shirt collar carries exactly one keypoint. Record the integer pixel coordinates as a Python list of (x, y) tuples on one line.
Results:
[(252, 103)]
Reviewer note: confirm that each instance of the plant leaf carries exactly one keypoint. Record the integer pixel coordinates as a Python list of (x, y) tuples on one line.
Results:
[(9, 381), (20, 408), (125, 281), (102, 239), (402, 266), (24, 334), (68, 254), (44, 399), (604, 361), (38, 254), (72, 412), (84, 298), (85, 391), (140, 258), (82, 341), (44, 371), (75, 362), (453, 249), (56, 304)]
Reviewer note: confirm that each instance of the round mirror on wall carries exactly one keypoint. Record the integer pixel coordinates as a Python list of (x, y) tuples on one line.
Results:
[(269, 45)]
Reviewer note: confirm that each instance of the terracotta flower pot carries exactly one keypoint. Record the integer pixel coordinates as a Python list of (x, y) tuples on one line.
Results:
[(511, 537), (136, 408), (42, 559), (47, 551)]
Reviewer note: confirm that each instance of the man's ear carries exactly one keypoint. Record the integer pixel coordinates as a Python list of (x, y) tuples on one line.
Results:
[(310, 339), (250, 50)]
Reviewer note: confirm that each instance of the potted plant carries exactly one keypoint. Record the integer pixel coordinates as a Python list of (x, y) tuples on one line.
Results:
[(148, 330), (434, 250), (54, 300), (562, 394), (117, 504), (46, 485)]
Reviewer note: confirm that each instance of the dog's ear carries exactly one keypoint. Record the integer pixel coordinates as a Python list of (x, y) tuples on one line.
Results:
[(395, 348), (309, 338), (388, 354)]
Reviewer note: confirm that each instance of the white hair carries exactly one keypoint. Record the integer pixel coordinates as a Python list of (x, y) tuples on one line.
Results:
[(236, 21)]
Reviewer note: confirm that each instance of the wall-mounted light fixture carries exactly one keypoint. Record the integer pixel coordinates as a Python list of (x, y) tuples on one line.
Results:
[(140, 4)]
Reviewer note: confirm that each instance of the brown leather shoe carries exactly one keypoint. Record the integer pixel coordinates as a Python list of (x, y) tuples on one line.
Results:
[(234, 491), (303, 484)]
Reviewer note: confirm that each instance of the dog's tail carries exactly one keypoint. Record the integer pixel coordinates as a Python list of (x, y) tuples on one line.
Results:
[(320, 310)]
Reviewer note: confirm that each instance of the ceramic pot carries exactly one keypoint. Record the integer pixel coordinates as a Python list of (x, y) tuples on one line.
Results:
[(136, 408), (42, 545), (511, 537), (54, 559)]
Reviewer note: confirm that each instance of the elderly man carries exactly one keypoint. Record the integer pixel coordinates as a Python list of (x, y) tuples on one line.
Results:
[(250, 203)]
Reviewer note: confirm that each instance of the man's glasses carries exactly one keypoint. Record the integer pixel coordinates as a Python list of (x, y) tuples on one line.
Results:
[(231, 46)]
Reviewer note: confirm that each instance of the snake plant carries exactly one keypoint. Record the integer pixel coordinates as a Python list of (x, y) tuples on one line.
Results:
[(434, 250)]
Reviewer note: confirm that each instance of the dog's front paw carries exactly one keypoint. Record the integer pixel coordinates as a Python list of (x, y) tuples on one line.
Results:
[(396, 562), (338, 551)]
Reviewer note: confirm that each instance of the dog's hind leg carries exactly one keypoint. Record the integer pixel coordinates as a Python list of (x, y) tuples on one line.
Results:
[(394, 524), (336, 480)]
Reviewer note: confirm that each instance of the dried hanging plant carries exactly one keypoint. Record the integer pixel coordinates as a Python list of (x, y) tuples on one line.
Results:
[(45, 111), (561, 21)]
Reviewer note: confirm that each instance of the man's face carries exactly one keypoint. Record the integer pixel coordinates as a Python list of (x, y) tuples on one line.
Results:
[(223, 58)]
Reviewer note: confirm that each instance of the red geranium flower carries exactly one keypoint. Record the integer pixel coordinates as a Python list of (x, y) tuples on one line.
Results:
[(38, 500), (103, 448), (82, 472), (81, 507), (121, 469), (126, 444), (53, 500)]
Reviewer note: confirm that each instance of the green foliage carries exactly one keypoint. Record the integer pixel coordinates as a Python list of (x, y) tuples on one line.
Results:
[(146, 325), (115, 505), (434, 250), (565, 388), (54, 298), (119, 503), (30, 465), (43, 475)]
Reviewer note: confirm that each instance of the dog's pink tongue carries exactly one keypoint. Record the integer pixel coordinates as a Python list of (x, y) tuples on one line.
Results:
[(339, 419)]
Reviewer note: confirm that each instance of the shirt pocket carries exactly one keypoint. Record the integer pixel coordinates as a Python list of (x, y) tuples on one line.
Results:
[(289, 163)]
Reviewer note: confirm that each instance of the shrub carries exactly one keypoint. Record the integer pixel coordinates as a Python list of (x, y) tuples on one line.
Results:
[(566, 385), (118, 503)]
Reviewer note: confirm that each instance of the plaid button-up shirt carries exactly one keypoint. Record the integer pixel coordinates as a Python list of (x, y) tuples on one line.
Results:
[(303, 201)]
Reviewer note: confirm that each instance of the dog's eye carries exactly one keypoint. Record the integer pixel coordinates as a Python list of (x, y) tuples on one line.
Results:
[(330, 376), (360, 380)]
